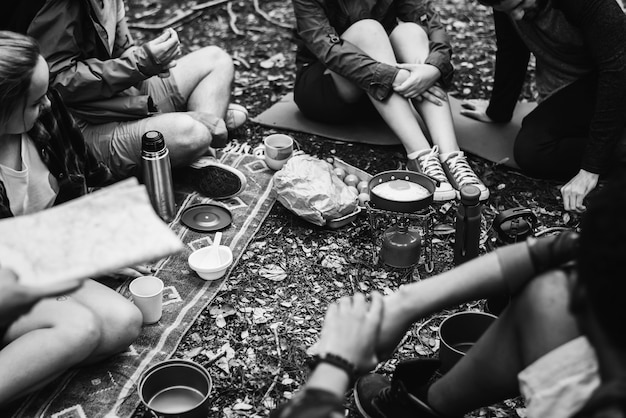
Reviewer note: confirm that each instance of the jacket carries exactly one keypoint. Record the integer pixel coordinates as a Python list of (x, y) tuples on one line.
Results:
[(601, 26), (95, 80), (320, 23), (62, 149)]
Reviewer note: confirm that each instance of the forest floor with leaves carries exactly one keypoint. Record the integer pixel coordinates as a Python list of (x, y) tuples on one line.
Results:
[(264, 321)]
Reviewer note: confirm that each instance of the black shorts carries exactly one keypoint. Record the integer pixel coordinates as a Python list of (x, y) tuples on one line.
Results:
[(316, 95)]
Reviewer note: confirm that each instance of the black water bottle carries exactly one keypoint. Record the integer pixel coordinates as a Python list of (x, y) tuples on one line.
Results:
[(468, 215), (157, 174)]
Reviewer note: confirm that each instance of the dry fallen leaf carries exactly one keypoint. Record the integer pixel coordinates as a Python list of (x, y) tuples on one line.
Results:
[(273, 272)]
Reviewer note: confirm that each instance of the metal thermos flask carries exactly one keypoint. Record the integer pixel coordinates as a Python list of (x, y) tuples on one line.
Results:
[(157, 174), (468, 216)]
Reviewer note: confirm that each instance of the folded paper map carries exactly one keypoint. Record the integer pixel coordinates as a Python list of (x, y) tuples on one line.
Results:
[(90, 236)]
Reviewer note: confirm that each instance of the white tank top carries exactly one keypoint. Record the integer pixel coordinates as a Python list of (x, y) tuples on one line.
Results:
[(33, 188)]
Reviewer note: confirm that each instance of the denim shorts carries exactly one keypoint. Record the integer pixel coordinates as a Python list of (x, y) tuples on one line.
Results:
[(558, 384), (118, 144)]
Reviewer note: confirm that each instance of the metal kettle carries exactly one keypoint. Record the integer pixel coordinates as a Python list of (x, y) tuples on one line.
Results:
[(401, 245)]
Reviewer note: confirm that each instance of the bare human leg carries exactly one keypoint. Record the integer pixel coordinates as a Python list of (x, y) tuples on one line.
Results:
[(397, 112), (410, 45), (537, 322), (54, 336)]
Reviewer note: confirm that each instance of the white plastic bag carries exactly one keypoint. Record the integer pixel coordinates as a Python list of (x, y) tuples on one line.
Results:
[(308, 187)]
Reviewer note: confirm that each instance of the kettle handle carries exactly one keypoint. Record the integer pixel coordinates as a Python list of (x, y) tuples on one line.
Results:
[(510, 214)]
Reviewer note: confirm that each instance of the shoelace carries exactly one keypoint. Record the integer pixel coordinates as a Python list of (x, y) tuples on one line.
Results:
[(461, 170), (431, 166)]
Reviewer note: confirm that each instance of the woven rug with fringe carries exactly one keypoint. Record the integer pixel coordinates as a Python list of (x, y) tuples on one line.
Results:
[(108, 389)]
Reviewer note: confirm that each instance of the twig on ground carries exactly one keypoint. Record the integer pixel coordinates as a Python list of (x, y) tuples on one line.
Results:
[(267, 17), (192, 12), (214, 358), (280, 365), (232, 19), (241, 60)]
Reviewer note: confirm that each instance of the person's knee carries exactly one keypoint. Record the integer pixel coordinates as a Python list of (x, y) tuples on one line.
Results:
[(190, 136), (124, 322), (219, 59), (546, 294), (526, 152), (365, 29), (413, 32)]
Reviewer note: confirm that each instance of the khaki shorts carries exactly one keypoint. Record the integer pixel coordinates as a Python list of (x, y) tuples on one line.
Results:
[(559, 384), (118, 144)]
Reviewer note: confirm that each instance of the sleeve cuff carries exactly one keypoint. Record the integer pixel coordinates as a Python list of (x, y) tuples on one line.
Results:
[(381, 85), (444, 66)]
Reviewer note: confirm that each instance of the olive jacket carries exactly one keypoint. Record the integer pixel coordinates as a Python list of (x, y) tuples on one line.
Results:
[(95, 75)]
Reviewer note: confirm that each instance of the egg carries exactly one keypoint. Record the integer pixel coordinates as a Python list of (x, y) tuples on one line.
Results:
[(400, 191), (351, 180), (363, 186), (363, 197), (339, 172)]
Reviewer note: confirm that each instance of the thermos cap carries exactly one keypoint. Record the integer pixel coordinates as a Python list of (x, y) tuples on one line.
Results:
[(470, 195), (152, 141)]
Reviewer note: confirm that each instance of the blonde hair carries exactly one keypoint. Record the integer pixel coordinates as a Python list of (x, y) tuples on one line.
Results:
[(19, 54)]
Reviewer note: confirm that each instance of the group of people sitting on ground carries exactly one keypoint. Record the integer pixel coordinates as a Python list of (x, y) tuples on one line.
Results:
[(391, 57)]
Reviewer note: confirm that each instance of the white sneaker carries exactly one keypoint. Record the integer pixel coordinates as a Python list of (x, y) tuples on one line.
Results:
[(428, 163), (236, 115), (460, 173)]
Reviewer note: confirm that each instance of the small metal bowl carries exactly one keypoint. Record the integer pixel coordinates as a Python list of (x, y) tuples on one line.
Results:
[(409, 206)]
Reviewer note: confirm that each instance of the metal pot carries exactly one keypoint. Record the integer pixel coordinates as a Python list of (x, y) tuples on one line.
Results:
[(176, 389), (401, 246), (382, 203)]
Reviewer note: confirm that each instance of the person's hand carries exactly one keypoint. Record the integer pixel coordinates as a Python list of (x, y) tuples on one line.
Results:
[(575, 191), (435, 95), (476, 109), (351, 329), (165, 49), (131, 271), (17, 300), (421, 78)]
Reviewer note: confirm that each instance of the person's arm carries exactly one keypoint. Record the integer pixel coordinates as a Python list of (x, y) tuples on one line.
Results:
[(603, 24), (59, 29), (505, 270), (440, 50), (349, 333), (341, 57), (512, 58)]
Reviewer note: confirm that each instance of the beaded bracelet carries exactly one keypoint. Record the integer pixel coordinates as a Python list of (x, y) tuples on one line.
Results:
[(336, 361)]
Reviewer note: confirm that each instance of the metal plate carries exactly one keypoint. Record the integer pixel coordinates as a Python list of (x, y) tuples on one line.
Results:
[(206, 217)]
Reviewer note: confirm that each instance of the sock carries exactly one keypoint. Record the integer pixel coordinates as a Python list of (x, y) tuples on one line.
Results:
[(444, 157), (413, 155)]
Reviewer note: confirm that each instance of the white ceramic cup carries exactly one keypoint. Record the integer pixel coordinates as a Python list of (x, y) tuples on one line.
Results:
[(147, 292), (276, 150)]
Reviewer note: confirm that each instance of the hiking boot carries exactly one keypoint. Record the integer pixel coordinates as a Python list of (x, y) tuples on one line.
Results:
[(214, 179), (404, 395), (460, 173), (427, 162), (236, 115)]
